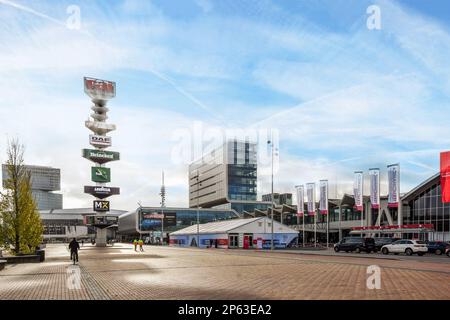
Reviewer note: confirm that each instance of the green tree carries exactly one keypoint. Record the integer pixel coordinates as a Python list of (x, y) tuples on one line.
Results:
[(21, 225)]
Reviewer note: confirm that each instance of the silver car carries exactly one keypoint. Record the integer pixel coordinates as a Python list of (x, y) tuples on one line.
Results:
[(408, 247)]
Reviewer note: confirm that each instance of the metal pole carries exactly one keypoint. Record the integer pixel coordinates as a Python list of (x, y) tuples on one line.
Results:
[(198, 211), (303, 220), (400, 206), (362, 219), (340, 219), (163, 204), (328, 234), (162, 226), (315, 225), (272, 246)]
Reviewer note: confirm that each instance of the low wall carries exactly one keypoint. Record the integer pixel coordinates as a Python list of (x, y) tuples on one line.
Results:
[(2, 264), (22, 259), (30, 258)]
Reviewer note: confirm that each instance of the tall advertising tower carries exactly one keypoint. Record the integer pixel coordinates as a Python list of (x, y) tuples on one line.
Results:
[(100, 91)]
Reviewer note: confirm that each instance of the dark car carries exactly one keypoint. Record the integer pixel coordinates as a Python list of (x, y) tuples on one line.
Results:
[(380, 242), (437, 247), (356, 244)]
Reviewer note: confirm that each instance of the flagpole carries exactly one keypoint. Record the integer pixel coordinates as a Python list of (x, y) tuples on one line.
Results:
[(315, 226), (303, 220), (328, 233)]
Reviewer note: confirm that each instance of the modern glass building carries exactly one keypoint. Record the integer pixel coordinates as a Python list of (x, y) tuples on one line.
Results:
[(147, 220), (278, 198), (227, 174), (44, 180), (424, 205), (422, 210), (65, 224), (244, 206)]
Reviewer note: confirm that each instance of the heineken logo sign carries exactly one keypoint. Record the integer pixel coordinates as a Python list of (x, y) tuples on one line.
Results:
[(101, 192), (99, 141), (100, 156), (101, 174)]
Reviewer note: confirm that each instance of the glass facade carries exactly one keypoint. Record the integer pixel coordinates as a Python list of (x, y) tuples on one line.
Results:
[(242, 172), (279, 199), (44, 180), (178, 218), (242, 182), (427, 207), (244, 206), (47, 200)]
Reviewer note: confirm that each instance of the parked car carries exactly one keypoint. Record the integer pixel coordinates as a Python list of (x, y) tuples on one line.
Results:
[(437, 247), (447, 252), (406, 246), (356, 244), (380, 242)]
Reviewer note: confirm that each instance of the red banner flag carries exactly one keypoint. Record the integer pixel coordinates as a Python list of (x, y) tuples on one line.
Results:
[(445, 176)]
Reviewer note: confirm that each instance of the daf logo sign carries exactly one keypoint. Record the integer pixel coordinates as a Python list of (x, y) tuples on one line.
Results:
[(100, 141)]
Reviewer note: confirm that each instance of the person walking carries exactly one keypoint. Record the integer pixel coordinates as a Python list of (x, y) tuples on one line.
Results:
[(74, 246), (135, 243), (141, 244)]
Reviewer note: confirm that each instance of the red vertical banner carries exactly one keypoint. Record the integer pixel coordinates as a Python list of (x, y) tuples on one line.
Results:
[(445, 176)]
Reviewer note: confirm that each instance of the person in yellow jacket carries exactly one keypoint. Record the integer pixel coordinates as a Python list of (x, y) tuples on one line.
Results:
[(141, 243), (135, 243)]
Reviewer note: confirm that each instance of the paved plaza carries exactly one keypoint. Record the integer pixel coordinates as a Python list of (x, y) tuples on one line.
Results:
[(187, 273)]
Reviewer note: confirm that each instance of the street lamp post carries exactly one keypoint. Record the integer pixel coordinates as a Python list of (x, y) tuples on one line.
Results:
[(198, 211), (163, 204), (270, 142)]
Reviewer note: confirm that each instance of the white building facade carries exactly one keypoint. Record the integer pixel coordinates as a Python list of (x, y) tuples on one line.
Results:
[(253, 233)]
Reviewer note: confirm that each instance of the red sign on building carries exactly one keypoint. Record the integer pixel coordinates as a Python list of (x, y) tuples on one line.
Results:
[(445, 176)]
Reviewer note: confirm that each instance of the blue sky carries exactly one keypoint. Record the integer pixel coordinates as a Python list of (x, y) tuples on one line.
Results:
[(342, 97)]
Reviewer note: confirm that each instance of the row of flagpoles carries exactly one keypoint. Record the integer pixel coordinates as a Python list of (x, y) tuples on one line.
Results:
[(358, 192)]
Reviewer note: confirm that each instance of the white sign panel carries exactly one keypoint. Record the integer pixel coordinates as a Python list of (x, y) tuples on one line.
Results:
[(374, 175), (300, 201), (323, 187), (100, 141), (358, 190), (311, 198), (393, 185)]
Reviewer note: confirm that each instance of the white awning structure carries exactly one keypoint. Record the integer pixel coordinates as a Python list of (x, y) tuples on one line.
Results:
[(234, 225)]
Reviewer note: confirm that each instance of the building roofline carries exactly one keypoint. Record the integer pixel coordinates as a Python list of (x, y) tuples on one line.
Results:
[(244, 223), (421, 185)]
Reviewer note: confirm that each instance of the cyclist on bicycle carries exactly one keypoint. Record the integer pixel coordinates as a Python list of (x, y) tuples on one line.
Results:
[(74, 246)]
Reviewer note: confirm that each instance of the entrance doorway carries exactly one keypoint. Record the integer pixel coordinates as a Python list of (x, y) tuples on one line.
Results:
[(248, 241), (233, 241)]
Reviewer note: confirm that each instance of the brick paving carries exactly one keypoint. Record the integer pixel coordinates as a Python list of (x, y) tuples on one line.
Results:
[(184, 273)]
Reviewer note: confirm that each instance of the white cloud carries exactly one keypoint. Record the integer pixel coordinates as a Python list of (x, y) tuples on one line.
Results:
[(205, 5)]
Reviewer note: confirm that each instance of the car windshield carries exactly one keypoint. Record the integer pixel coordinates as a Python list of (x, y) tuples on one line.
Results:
[(420, 242)]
